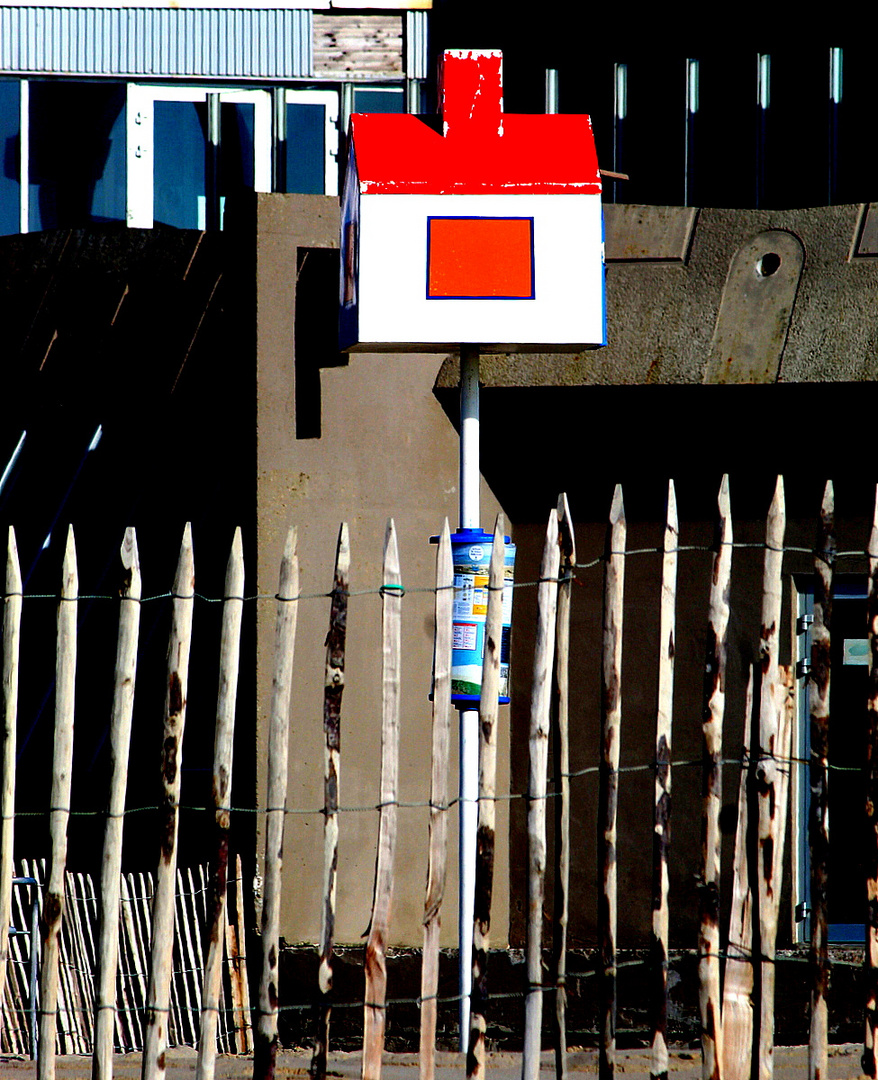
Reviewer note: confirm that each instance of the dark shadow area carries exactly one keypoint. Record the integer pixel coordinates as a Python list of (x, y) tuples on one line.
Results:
[(316, 333)]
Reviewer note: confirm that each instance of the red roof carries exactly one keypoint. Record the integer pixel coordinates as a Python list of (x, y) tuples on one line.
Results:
[(481, 150)]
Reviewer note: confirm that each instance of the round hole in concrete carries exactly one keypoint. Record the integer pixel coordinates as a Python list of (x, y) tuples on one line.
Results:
[(769, 264)]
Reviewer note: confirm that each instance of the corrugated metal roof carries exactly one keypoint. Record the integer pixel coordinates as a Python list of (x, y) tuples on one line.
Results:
[(227, 43)]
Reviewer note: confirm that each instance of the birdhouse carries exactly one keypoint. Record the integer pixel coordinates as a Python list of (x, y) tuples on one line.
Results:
[(476, 226)]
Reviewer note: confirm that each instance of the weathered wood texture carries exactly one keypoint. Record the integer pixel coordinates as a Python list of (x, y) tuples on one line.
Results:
[(438, 848), (111, 868), (488, 715), (611, 719), (355, 46), (11, 649), (818, 818), (711, 749), (223, 747), (59, 810), (158, 994), (737, 1014), (561, 747), (538, 754), (768, 771), (265, 1049), (333, 688), (662, 821), (376, 942), (871, 841)]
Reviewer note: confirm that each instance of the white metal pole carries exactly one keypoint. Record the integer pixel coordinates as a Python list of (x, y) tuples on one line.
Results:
[(469, 718)]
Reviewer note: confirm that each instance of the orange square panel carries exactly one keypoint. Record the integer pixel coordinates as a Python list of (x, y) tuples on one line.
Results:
[(480, 258)]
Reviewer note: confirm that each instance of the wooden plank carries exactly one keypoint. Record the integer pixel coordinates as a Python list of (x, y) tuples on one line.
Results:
[(538, 751), (438, 846), (818, 817), (333, 688), (662, 834), (187, 976), (265, 1049), (159, 992), (11, 649), (737, 1014), (561, 709), (711, 786), (223, 746), (611, 718), (376, 942), (484, 882), (870, 851), (768, 772), (357, 46), (240, 965), (59, 811), (133, 984), (111, 866)]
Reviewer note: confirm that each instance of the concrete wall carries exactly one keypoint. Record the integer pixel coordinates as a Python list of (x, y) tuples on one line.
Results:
[(385, 449)]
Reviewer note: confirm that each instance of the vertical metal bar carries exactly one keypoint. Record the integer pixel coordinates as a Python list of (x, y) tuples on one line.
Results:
[(279, 139), (24, 156), (693, 74), (763, 102), (212, 163), (836, 57), (620, 113), (469, 718), (551, 90), (484, 883)]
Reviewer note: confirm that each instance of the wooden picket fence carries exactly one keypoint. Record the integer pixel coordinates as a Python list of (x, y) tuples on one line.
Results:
[(737, 1013), (78, 963)]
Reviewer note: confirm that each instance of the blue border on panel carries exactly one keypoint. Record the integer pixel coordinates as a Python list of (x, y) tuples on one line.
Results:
[(481, 217)]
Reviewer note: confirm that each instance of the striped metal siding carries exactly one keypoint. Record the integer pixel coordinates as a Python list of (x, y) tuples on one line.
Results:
[(237, 43)]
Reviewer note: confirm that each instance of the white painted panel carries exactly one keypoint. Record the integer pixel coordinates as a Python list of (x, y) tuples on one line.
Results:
[(568, 305)]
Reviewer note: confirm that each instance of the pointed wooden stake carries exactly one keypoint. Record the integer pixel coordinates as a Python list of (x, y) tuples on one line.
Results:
[(376, 943), (158, 996), (768, 769), (611, 719), (11, 648), (438, 855), (737, 1017), (59, 812), (662, 835), (538, 746), (711, 785), (265, 1042), (111, 869), (561, 702), (333, 688), (223, 746), (818, 818)]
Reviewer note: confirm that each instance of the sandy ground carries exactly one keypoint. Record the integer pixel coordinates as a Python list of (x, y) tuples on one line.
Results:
[(790, 1062)]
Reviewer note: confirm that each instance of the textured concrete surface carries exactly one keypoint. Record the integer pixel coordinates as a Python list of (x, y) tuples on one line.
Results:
[(666, 281)]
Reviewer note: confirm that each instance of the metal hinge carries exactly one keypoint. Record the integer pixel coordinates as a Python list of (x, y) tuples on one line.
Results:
[(803, 669), (803, 911), (803, 623)]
